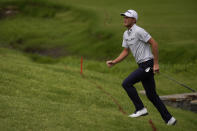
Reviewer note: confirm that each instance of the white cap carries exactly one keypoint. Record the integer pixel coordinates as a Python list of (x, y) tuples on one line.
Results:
[(130, 13)]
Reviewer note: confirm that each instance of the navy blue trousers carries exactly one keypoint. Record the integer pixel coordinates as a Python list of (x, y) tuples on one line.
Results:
[(145, 74)]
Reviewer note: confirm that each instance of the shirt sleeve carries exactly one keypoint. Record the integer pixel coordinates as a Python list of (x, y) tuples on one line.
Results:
[(144, 36), (124, 43)]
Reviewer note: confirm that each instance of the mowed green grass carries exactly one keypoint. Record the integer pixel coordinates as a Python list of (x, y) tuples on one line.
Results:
[(54, 96), (37, 97), (74, 25)]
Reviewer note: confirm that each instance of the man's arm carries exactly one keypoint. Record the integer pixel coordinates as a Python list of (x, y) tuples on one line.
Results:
[(122, 55), (154, 46)]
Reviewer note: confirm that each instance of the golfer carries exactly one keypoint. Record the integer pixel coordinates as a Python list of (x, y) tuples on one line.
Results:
[(138, 41)]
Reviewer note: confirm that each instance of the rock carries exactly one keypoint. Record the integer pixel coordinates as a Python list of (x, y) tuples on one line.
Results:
[(194, 102), (187, 101)]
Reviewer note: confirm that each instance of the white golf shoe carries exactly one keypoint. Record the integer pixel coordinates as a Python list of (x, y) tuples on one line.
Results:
[(172, 121), (139, 113)]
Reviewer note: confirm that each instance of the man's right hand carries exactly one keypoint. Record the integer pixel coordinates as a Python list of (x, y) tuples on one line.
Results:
[(122, 55), (110, 63)]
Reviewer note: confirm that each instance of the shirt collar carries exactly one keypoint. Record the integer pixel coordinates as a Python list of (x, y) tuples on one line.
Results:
[(131, 29)]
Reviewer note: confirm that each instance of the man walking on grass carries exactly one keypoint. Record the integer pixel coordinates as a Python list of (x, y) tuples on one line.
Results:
[(138, 41)]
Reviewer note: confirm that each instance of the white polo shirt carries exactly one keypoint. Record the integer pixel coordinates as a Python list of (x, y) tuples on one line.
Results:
[(136, 39)]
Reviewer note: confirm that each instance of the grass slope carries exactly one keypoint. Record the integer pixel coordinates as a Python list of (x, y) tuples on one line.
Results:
[(74, 25), (54, 96), (37, 96)]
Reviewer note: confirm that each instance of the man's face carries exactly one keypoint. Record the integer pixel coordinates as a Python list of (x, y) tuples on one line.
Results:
[(128, 21)]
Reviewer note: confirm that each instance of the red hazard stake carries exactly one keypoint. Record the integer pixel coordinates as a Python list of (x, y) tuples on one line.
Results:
[(81, 65)]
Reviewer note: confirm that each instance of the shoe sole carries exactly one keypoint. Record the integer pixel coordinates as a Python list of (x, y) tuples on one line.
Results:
[(144, 114), (174, 123), (140, 115)]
